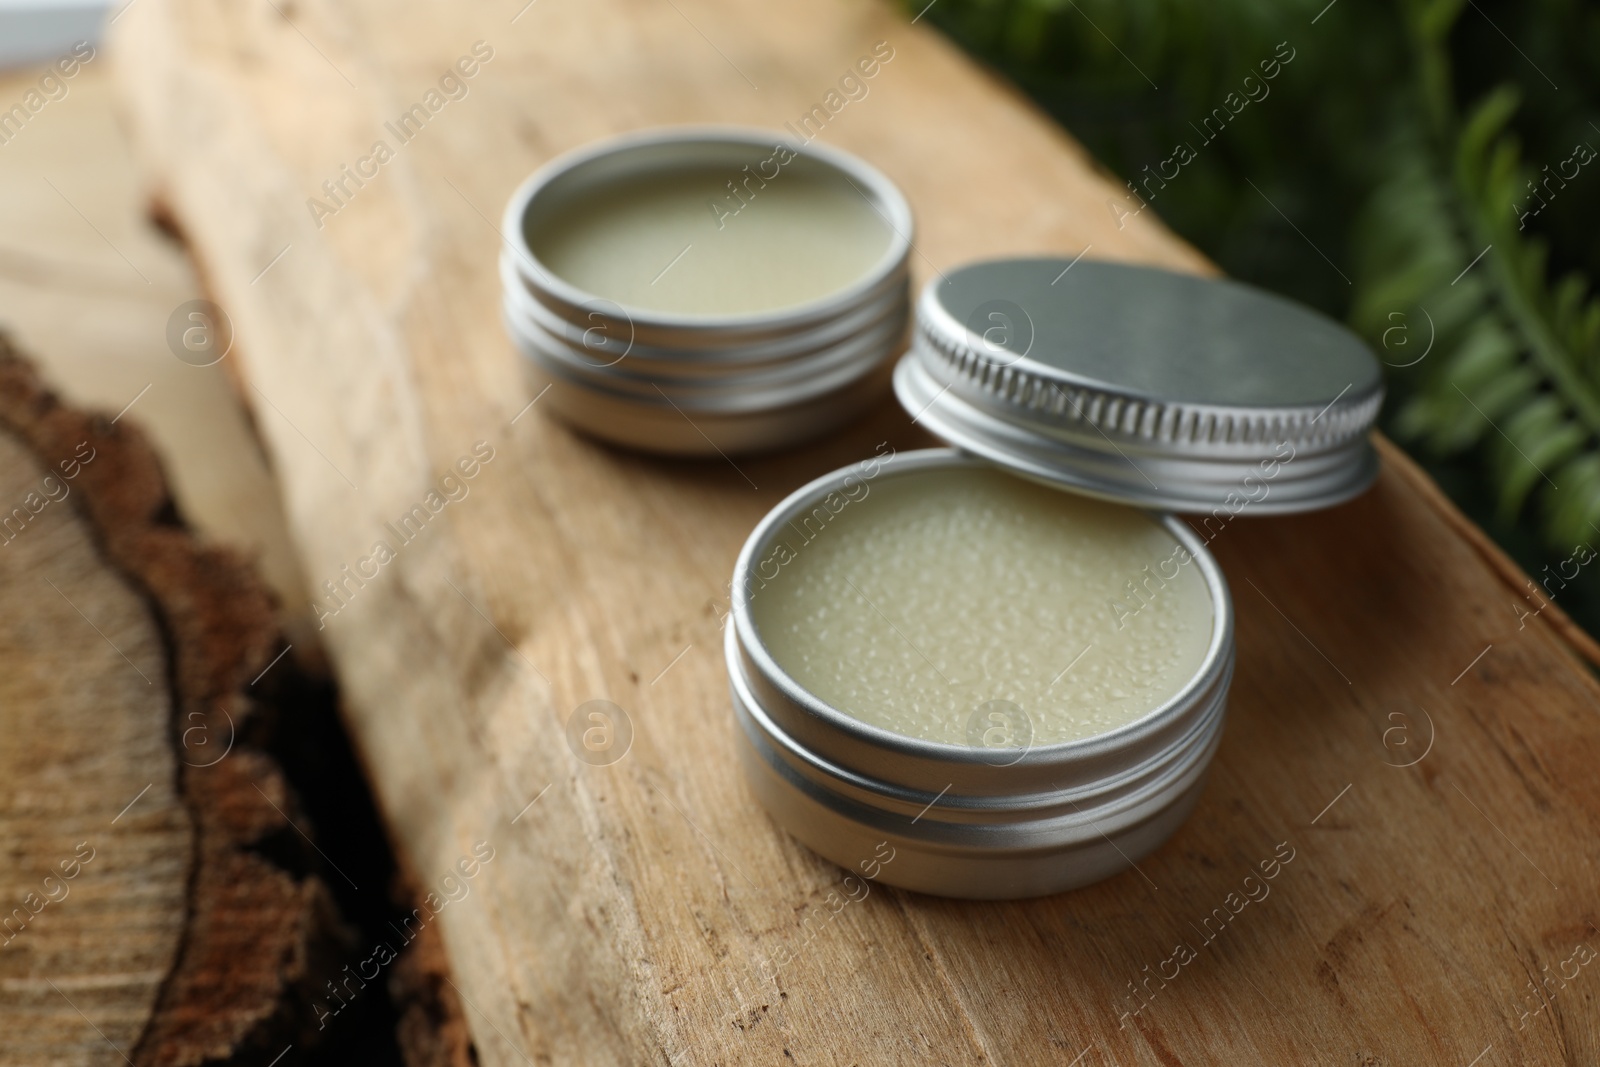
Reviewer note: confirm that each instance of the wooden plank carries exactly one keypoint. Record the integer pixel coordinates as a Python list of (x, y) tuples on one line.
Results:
[(628, 911)]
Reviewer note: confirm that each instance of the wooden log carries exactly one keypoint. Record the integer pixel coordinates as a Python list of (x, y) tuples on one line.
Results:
[(628, 909), (142, 921), (77, 297)]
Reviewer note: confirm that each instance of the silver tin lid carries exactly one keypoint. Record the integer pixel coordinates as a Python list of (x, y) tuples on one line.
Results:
[(1144, 386)]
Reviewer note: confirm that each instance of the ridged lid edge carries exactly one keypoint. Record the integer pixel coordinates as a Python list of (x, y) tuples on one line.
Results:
[(1040, 394)]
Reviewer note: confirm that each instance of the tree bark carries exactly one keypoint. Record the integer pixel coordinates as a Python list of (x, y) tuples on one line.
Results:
[(136, 816)]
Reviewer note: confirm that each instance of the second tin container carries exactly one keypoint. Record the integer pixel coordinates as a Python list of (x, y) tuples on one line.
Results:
[(707, 289)]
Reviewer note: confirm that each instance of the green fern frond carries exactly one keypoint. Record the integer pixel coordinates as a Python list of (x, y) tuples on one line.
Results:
[(1515, 371)]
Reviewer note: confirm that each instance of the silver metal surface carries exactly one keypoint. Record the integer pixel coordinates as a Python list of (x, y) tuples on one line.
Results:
[(1057, 817), (700, 384), (760, 387), (603, 340), (1144, 386), (664, 426)]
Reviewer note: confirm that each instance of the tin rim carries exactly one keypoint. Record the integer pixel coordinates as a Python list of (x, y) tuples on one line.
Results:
[(1125, 474), (879, 324), (1112, 793), (647, 424), (765, 389), (1037, 762), (882, 194), (874, 344)]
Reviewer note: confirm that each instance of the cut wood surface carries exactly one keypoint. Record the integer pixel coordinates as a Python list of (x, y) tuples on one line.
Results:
[(88, 284), (93, 897), (1412, 761), (141, 923)]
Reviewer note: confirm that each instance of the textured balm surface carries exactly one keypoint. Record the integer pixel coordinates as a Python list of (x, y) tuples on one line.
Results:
[(674, 242), (937, 592)]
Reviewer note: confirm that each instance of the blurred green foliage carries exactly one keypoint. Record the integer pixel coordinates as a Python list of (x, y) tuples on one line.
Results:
[(1424, 169)]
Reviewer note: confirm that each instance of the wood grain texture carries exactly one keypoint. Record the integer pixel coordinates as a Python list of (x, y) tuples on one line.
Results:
[(87, 718), (626, 912), (157, 919), (87, 285)]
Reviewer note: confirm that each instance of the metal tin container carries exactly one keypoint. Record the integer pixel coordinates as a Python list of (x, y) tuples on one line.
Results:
[(968, 821), (1134, 385), (698, 384)]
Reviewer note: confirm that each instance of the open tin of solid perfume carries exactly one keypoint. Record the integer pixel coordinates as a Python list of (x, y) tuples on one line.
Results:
[(1009, 663), (703, 289)]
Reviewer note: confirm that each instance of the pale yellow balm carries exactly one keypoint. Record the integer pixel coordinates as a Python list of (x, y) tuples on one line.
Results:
[(940, 591), (679, 241)]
